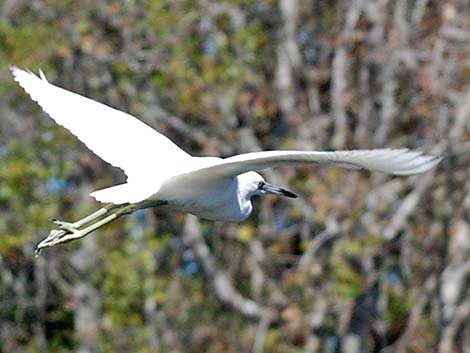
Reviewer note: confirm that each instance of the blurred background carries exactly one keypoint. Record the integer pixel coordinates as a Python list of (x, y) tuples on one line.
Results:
[(359, 263)]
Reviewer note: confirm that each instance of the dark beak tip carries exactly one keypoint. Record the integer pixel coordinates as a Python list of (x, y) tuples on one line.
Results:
[(290, 194), (277, 190)]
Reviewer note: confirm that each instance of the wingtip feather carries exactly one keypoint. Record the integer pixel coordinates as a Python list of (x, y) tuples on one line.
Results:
[(21, 75), (42, 75), (431, 162), (15, 71)]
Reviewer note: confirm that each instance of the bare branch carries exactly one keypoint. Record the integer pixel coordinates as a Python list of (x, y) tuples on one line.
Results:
[(223, 286)]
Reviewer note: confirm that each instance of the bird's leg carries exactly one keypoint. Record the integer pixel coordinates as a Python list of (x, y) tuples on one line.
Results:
[(70, 231), (75, 233), (65, 227), (101, 212)]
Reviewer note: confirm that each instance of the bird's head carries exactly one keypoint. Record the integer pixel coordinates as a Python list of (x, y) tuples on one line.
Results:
[(254, 184)]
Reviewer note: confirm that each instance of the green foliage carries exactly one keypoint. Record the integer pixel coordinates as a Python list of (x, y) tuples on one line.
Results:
[(214, 65)]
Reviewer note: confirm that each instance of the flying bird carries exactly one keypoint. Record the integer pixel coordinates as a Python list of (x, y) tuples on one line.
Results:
[(161, 173)]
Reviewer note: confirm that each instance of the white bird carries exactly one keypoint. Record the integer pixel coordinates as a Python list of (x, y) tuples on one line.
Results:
[(160, 173)]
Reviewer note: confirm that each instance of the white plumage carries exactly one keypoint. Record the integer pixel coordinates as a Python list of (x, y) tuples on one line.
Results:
[(158, 170), (115, 136)]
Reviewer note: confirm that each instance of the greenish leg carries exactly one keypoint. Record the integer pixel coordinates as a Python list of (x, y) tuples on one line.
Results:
[(81, 222), (70, 231), (74, 233), (101, 212)]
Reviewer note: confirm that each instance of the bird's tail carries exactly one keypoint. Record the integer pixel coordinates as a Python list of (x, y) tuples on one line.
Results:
[(122, 193)]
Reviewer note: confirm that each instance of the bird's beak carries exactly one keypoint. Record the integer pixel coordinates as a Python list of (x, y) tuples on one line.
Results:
[(273, 189)]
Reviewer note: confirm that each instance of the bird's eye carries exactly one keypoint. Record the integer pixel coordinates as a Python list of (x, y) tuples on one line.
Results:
[(260, 184)]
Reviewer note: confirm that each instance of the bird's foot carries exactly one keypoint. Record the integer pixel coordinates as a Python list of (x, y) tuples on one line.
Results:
[(52, 239), (66, 233), (69, 227)]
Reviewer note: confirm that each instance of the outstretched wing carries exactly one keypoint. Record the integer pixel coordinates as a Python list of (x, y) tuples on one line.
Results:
[(390, 161), (115, 136)]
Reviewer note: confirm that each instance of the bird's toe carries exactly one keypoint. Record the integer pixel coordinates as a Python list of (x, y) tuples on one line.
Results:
[(69, 227)]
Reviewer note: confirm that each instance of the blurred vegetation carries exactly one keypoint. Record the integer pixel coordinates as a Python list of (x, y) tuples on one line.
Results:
[(360, 263)]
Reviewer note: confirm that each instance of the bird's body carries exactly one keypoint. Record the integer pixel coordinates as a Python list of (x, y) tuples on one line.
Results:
[(220, 199), (160, 173)]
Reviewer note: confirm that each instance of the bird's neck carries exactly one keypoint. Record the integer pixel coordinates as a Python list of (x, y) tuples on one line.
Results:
[(244, 203)]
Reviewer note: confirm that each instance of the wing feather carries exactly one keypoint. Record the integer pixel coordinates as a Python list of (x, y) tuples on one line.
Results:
[(115, 136), (125, 142), (389, 161)]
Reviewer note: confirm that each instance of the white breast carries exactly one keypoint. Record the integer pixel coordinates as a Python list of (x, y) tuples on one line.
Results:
[(212, 199)]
